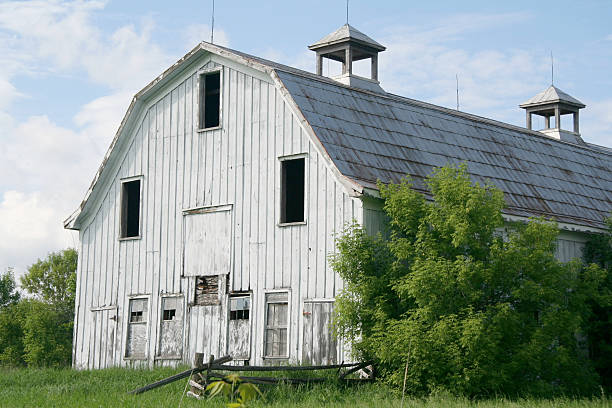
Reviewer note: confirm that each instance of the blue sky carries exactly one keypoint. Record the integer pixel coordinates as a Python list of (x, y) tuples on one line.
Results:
[(68, 70)]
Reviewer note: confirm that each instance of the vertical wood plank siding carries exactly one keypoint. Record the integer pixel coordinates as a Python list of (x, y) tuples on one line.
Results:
[(182, 168)]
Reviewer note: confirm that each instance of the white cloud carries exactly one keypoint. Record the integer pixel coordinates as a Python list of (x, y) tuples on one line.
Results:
[(421, 63), (57, 30), (63, 34), (609, 37), (128, 61), (46, 168), (99, 119), (29, 229), (45, 171), (196, 33)]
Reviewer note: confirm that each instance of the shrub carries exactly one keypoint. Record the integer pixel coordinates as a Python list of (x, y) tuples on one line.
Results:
[(472, 307)]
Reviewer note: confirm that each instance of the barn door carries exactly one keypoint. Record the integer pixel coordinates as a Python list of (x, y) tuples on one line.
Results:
[(319, 345), (138, 317), (239, 328), (171, 327), (103, 337)]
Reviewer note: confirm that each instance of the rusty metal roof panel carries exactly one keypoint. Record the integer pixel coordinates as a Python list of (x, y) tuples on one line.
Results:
[(376, 136)]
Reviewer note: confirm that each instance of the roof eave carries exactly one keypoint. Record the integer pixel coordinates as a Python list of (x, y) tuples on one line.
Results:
[(318, 46), (560, 101)]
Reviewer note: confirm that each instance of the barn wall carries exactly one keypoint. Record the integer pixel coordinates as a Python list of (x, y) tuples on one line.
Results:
[(181, 169)]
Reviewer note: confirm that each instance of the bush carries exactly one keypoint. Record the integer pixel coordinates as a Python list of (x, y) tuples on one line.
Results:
[(470, 309), (12, 319), (598, 249), (47, 337)]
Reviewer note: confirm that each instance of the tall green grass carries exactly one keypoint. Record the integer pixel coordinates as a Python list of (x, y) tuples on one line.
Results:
[(108, 388)]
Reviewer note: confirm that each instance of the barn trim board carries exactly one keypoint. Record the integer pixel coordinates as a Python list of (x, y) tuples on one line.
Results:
[(212, 245)]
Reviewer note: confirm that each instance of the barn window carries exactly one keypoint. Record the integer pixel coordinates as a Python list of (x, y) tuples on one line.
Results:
[(207, 290), (277, 316), (210, 99), (169, 314), (239, 307), (292, 190), (130, 208), (138, 310)]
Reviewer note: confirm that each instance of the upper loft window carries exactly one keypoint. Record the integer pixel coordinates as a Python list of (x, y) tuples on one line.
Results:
[(210, 99), (130, 209), (292, 190)]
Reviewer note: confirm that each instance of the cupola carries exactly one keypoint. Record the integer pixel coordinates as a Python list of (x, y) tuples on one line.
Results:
[(346, 45), (554, 103)]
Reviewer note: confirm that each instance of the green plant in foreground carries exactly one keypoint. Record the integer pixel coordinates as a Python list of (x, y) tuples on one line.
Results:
[(238, 391)]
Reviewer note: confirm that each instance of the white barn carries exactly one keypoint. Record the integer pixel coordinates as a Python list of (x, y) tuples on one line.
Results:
[(209, 223)]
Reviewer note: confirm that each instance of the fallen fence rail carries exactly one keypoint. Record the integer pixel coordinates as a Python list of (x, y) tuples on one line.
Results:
[(179, 376), (285, 368), (204, 372)]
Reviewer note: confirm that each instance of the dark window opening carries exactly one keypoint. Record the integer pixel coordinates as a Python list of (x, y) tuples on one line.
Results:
[(210, 99), (240, 307), (239, 315), (169, 314), (130, 209), (292, 194), (136, 317), (207, 290)]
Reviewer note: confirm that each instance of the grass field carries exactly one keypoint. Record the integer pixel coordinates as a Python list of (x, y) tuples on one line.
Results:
[(108, 388)]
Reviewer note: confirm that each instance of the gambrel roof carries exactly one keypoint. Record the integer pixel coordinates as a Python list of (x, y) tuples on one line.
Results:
[(373, 136), (370, 136)]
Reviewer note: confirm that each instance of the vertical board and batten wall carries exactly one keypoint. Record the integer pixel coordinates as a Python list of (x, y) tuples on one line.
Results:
[(184, 169)]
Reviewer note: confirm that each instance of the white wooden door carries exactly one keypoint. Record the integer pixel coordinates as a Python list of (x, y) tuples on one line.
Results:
[(171, 327), (239, 328), (319, 346), (105, 326)]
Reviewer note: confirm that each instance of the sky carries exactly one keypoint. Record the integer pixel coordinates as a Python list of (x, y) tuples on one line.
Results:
[(68, 70)]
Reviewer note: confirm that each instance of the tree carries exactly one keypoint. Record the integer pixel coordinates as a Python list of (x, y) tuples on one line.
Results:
[(47, 336), (8, 289), (598, 249), (53, 280), (11, 317), (47, 327), (470, 307), (12, 320)]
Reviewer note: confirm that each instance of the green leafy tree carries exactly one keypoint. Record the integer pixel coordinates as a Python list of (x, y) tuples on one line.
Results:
[(12, 319), (53, 280), (47, 336), (598, 249), (8, 289), (47, 327), (469, 307)]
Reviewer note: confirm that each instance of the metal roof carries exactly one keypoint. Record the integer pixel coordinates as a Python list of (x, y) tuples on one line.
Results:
[(344, 34), (372, 137), (552, 94)]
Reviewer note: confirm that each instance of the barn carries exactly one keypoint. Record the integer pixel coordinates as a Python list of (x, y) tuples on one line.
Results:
[(208, 225)]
